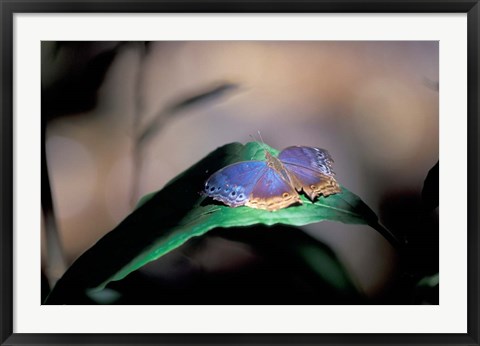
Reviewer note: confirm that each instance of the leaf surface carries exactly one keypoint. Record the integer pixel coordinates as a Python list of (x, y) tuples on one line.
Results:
[(165, 220)]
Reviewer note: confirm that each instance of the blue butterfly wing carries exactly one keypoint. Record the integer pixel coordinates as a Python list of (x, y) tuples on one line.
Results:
[(315, 159), (272, 192), (310, 170), (233, 184)]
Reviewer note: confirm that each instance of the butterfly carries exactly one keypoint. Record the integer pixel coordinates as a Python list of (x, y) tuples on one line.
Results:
[(275, 183)]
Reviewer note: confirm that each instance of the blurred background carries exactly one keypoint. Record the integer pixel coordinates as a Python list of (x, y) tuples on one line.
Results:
[(121, 119)]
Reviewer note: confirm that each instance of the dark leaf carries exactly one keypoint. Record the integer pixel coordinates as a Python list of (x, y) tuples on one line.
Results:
[(430, 188)]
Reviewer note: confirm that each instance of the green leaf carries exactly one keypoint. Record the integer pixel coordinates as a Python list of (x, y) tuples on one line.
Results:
[(428, 281), (167, 219), (427, 290)]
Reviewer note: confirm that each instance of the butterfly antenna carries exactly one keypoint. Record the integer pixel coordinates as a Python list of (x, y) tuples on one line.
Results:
[(260, 135), (262, 142)]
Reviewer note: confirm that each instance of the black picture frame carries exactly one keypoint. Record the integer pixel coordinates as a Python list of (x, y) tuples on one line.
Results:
[(9, 8)]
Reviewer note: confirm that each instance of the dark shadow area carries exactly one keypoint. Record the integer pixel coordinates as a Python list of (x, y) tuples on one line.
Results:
[(430, 196), (279, 265), (45, 287), (413, 216), (76, 90)]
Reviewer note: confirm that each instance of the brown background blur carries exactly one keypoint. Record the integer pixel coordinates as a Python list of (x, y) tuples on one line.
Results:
[(373, 105)]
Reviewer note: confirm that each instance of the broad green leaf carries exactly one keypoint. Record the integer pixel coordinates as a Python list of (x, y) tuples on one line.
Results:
[(165, 220)]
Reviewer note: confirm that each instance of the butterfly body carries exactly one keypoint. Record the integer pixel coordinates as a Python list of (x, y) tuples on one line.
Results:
[(275, 183)]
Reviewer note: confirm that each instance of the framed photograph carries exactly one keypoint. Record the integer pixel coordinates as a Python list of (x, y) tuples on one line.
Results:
[(239, 172)]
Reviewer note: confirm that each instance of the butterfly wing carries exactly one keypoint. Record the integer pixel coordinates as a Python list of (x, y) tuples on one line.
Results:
[(233, 184), (272, 192), (310, 170)]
